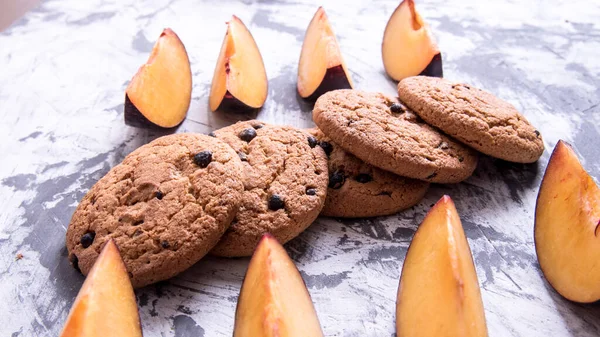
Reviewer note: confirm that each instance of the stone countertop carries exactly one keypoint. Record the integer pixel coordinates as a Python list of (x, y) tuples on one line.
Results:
[(63, 71)]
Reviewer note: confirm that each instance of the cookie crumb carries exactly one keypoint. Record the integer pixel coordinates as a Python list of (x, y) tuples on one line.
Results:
[(18, 257)]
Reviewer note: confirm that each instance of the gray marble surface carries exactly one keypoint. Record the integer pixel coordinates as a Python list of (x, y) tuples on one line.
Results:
[(63, 71)]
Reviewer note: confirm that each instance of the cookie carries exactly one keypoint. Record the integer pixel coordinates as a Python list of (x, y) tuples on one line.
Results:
[(473, 116), (357, 189), (382, 132), (165, 206), (285, 184)]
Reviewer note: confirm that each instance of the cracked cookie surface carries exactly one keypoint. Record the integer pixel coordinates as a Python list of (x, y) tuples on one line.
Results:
[(384, 133), (285, 184), (165, 205), (473, 116), (357, 189)]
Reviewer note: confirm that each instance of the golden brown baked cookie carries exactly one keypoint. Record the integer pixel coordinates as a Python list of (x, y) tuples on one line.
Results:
[(165, 206), (357, 189), (473, 116), (285, 184), (382, 132)]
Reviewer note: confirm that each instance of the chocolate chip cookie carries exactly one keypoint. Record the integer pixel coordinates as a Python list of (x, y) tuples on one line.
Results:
[(357, 189), (473, 116), (382, 132), (285, 184), (165, 206)]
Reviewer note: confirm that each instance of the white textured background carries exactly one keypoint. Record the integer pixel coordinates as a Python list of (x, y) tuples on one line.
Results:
[(63, 71)]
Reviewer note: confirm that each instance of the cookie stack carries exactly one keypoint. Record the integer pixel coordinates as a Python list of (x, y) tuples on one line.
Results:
[(433, 134), (174, 200), (357, 189)]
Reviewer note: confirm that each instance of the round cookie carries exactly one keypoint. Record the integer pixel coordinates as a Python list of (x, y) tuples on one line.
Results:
[(382, 132), (357, 189), (285, 184), (473, 116), (166, 205)]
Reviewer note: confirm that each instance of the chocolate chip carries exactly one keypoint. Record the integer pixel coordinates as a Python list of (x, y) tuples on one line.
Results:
[(396, 108), (212, 134), (466, 86), (387, 193), (165, 244), (537, 133), (139, 222), (247, 134), (257, 126), (337, 179), (159, 195), (363, 178), (312, 141), (75, 263), (311, 191), (461, 159), (138, 232), (87, 239), (242, 156), (203, 158), (433, 175), (276, 202), (327, 147)]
